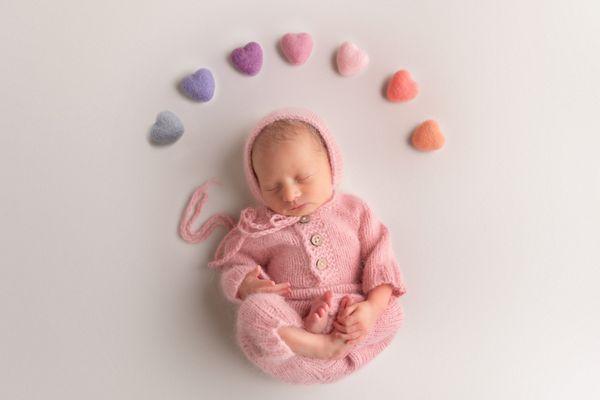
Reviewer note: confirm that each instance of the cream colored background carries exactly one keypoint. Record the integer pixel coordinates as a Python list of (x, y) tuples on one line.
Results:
[(498, 233)]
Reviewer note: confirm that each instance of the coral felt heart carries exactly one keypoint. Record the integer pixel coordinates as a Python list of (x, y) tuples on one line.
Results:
[(428, 136), (402, 87)]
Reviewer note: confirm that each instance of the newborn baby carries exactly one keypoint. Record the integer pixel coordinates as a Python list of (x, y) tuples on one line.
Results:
[(312, 269)]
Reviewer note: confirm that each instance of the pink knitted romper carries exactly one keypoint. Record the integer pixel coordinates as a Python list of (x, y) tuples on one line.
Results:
[(341, 247)]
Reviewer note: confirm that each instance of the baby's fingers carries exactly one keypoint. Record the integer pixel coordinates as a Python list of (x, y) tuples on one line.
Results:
[(354, 341), (346, 328), (348, 336), (342, 315)]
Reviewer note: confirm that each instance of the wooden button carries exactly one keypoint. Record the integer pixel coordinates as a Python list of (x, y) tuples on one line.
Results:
[(321, 263), (316, 239)]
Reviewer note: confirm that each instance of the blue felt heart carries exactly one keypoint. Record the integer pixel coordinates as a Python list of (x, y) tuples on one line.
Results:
[(199, 86), (167, 129)]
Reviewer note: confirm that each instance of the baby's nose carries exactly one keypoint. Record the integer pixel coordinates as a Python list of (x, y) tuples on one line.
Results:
[(290, 193)]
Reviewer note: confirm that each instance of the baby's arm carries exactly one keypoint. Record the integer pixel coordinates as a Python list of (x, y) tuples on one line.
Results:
[(255, 283), (242, 276), (381, 279), (380, 296), (379, 262)]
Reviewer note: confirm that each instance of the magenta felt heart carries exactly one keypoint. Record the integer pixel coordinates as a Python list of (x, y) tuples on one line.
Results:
[(296, 47), (248, 59)]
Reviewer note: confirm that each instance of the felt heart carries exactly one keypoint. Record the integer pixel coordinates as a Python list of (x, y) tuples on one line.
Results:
[(167, 128), (351, 59), (296, 47), (428, 136), (199, 86), (248, 59), (402, 87)]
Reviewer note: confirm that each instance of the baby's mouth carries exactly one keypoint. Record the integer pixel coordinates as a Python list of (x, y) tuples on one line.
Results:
[(298, 207)]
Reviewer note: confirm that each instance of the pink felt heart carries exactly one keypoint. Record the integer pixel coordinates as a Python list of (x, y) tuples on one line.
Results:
[(402, 87), (351, 59), (296, 47)]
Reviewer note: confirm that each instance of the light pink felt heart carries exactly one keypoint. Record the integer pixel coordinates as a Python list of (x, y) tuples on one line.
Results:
[(402, 87), (351, 59), (296, 47)]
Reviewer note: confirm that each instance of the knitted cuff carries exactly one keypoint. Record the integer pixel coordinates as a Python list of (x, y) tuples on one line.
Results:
[(374, 276), (232, 278)]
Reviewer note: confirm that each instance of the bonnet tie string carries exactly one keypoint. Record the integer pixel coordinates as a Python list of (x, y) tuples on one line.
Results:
[(192, 211)]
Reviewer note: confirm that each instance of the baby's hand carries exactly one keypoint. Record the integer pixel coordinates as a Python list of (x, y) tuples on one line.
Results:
[(253, 284), (355, 321)]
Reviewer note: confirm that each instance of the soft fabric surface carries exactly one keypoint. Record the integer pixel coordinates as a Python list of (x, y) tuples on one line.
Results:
[(428, 136), (351, 59), (402, 87), (248, 59), (199, 86), (167, 129), (296, 47)]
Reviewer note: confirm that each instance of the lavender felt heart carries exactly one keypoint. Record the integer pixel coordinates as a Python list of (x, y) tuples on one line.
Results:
[(199, 86), (167, 128), (248, 59)]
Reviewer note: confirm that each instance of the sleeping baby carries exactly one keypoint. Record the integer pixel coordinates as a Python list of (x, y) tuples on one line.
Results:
[(311, 269)]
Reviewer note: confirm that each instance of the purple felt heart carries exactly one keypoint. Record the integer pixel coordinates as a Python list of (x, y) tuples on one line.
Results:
[(199, 86), (248, 59)]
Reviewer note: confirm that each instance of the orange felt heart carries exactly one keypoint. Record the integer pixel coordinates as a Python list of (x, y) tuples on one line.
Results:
[(402, 87), (428, 136)]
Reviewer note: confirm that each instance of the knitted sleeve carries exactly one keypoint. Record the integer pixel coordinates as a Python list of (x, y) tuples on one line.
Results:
[(379, 262), (233, 273), (244, 257)]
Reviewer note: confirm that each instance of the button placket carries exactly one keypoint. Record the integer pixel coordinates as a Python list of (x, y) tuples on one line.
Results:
[(317, 240), (314, 242)]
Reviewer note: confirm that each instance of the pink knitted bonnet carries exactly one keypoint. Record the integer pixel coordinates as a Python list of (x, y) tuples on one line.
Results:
[(254, 221), (298, 114)]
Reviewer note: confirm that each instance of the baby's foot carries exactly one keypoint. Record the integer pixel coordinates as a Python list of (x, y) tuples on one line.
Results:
[(318, 316)]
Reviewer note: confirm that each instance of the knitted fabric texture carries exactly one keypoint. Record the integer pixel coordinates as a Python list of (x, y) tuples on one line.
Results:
[(341, 246)]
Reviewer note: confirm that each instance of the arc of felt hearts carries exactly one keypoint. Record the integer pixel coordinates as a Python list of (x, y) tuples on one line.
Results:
[(296, 47), (351, 59), (248, 59)]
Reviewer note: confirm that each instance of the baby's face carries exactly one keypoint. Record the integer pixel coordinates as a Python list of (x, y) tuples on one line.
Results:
[(293, 175)]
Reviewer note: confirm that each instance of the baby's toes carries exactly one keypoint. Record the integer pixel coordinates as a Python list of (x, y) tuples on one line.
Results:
[(322, 311)]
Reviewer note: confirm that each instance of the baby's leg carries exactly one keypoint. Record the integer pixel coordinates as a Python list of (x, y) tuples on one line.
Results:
[(269, 332), (313, 345), (379, 337)]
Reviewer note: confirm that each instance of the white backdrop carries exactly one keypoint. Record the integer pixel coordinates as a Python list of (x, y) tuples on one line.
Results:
[(497, 233)]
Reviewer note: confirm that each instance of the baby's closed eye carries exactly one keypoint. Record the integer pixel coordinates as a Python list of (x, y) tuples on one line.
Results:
[(300, 178)]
